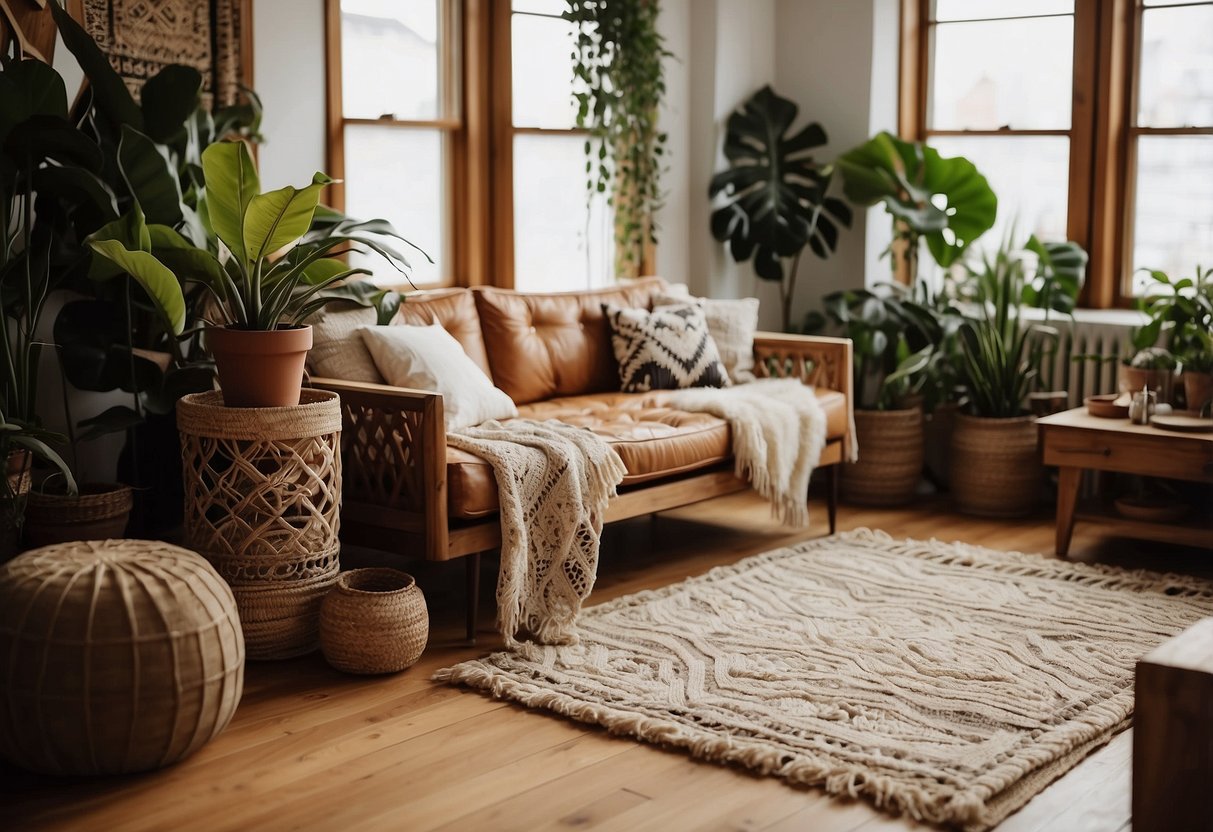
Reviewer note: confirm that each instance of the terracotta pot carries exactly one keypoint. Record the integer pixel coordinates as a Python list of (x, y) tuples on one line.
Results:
[(995, 466), (99, 512), (1198, 389), (1133, 379), (260, 368), (890, 458)]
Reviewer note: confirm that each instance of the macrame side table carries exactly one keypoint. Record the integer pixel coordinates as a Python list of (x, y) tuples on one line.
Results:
[(263, 505)]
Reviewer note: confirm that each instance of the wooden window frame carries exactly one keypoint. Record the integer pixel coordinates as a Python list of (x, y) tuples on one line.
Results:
[(1103, 131)]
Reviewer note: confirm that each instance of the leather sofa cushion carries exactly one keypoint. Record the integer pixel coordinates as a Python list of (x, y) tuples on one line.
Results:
[(542, 346), (653, 441), (455, 310)]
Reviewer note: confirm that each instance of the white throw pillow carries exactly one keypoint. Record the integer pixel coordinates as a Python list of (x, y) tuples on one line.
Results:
[(337, 349), (732, 324), (429, 358)]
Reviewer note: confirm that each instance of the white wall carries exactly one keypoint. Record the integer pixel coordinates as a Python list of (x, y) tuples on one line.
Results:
[(289, 75)]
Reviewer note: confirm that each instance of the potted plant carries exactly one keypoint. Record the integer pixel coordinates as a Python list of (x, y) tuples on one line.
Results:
[(772, 201), (893, 340), (1176, 335), (38, 144), (1198, 375), (995, 466), (944, 201), (267, 275)]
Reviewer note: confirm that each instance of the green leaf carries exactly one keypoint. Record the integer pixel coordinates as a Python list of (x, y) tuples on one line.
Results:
[(116, 419), (156, 279), (113, 99), (279, 218), (45, 452), (168, 100), (231, 184), (150, 177), (909, 178)]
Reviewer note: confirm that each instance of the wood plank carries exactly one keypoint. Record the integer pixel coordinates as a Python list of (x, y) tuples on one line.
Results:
[(314, 749), (1173, 748)]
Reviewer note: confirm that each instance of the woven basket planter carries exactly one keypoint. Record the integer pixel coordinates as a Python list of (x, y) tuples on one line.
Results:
[(262, 504), (99, 512), (115, 657), (995, 466), (890, 458), (374, 621)]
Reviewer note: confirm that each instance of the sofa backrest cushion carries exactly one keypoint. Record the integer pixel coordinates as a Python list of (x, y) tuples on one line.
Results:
[(455, 310), (541, 346), (337, 348)]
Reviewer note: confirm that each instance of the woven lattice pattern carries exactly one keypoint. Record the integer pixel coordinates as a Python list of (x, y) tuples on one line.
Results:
[(386, 468), (263, 500), (115, 656), (944, 681)]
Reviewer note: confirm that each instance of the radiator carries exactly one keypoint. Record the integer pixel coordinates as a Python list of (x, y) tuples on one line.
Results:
[(1085, 358)]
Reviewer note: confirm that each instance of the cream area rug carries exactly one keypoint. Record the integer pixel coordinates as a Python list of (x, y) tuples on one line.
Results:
[(944, 681)]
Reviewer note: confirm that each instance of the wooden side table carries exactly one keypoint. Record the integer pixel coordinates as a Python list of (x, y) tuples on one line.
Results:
[(263, 505), (1076, 441)]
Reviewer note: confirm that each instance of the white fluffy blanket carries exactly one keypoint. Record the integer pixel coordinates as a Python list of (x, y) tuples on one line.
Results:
[(554, 482), (778, 429)]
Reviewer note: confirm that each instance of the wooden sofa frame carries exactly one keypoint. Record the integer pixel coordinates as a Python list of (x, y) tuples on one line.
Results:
[(393, 445)]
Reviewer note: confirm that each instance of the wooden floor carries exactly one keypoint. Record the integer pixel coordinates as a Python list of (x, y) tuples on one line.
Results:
[(311, 748)]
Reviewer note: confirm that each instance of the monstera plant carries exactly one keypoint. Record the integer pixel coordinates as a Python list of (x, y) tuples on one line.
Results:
[(945, 201), (772, 199)]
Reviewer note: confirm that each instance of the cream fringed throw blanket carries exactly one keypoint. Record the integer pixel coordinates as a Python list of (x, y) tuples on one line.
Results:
[(554, 482), (778, 431)]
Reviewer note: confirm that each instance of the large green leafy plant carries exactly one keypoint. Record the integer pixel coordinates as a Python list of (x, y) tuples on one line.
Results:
[(619, 83), (1180, 313), (773, 198), (271, 270), (1002, 353), (945, 201)]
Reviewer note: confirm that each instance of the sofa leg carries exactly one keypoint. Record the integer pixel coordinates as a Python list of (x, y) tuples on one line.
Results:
[(471, 564), (832, 496)]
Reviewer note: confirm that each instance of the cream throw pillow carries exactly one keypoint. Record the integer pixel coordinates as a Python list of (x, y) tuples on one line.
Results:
[(337, 349), (732, 324), (429, 358)]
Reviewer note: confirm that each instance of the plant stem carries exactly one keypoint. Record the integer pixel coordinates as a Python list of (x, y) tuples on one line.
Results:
[(785, 295)]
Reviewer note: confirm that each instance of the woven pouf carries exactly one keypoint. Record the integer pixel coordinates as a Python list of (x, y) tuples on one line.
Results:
[(116, 656), (262, 504), (374, 621)]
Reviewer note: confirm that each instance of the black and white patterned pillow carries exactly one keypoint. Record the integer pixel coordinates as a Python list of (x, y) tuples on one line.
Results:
[(666, 349)]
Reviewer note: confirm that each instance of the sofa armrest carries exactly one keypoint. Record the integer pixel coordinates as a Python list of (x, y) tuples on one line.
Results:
[(814, 359), (393, 450)]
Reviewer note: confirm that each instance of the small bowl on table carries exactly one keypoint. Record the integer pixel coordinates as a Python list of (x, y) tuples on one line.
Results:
[(1108, 406)]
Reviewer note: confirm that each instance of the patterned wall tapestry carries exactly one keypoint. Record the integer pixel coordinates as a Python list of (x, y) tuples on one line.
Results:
[(142, 36)]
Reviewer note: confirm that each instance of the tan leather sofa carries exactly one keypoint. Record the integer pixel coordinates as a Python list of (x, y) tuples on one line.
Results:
[(405, 491)]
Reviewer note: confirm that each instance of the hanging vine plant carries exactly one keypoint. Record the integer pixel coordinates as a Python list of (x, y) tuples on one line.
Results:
[(619, 84)]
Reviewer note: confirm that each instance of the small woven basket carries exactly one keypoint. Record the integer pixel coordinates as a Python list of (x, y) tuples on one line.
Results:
[(99, 512), (374, 621), (890, 458), (996, 469)]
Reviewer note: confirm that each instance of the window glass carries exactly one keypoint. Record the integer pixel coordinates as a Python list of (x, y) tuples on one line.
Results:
[(560, 243), (1176, 86), (396, 173), (1001, 74), (986, 9), (390, 59), (1173, 228), (543, 72)]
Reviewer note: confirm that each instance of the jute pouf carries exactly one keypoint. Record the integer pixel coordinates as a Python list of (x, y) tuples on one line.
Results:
[(116, 656), (263, 505), (374, 621)]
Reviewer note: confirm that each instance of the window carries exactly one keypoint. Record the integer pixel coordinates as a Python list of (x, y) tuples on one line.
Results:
[(1171, 141), (561, 240), (454, 119), (398, 108), (1092, 119)]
